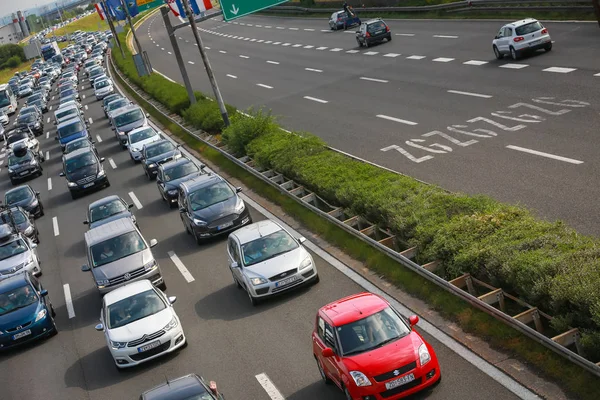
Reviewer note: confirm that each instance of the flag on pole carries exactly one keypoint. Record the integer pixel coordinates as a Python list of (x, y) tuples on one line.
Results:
[(100, 11), (198, 6), (170, 4), (116, 8)]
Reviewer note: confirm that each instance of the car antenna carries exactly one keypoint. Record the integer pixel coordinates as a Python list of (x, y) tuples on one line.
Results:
[(357, 309)]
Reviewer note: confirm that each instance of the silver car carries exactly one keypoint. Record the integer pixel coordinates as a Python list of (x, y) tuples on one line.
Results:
[(266, 260)]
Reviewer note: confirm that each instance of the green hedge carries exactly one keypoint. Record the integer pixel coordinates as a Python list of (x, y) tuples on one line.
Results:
[(544, 263)]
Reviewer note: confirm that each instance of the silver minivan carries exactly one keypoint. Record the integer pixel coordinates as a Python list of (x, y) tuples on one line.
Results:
[(118, 254)]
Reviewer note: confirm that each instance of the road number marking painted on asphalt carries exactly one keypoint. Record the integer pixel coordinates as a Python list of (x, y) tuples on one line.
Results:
[(184, 271), (269, 387), (135, 200), (55, 226), (542, 154), (69, 301)]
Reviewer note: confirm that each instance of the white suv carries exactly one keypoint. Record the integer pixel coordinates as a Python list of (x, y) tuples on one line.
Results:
[(519, 37)]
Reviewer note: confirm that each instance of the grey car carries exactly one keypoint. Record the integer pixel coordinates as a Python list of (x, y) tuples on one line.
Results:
[(24, 163), (24, 222), (125, 120), (183, 388), (108, 209)]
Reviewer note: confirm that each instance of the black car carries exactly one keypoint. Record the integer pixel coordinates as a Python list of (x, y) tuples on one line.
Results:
[(32, 121), (171, 174), (84, 142), (84, 172), (157, 153), (24, 196), (23, 221), (186, 387), (373, 31), (210, 206), (24, 163)]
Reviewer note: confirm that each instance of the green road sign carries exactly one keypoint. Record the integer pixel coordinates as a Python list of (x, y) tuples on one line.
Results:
[(233, 9)]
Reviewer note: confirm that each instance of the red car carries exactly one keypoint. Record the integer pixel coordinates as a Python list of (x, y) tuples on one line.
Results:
[(370, 351)]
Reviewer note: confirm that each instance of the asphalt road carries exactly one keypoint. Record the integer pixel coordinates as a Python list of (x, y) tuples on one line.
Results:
[(229, 340), (398, 104)]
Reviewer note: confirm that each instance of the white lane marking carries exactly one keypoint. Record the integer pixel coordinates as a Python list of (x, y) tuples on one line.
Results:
[(82, 87), (222, 52), (371, 53), (49, 184), (163, 75), (112, 163), (272, 62), (82, 97), (162, 48), (313, 70), (258, 26), (597, 74), (249, 25), (184, 271), (542, 154), (69, 301), (191, 62), (135, 200), (279, 27), (232, 76), (336, 49), (48, 135), (286, 44), (90, 120), (98, 138), (353, 51), (48, 121), (55, 226), (264, 86), (315, 99), (514, 66), (402, 121), (52, 97), (445, 36), (293, 29), (391, 55), (484, 96), (86, 107), (364, 78), (308, 47), (243, 56), (443, 59), (276, 43), (50, 108), (475, 62), (309, 30), (322, 48), (415, 57), (47, 154), (297, 45), (326, 30), (559, 70), (269, 387), (405, 34), (253, 40), (168, 52)]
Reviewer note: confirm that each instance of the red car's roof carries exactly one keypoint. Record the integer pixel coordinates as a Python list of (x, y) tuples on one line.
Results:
[(353, 308)]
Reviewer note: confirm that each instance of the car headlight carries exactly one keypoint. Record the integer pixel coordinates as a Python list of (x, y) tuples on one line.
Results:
[(360, 379), (307, 262), (118, 345), (171, 324), (33, 162), (102, 282), (152, 165), (240, 206), (11, 171), (258, 281), (135, 149), (149, 266), (424, 355), (71, 184), (29, 230), (172, 192), (41, 315), (101, 173), (199, 222)]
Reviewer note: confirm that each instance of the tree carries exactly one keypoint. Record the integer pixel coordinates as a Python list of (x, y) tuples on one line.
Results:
[(90, 7)]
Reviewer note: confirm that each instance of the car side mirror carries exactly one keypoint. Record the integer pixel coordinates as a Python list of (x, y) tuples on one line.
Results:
[(172, 299), (102, 159), (99, 327), (153, 242), (413, 319), (235, 265), (202, 166), (85, 268), (61, 174), (129, 206), (86, 222), (37, 193), (357, 31), (328, 352), (33, 245), (44, 293), (147, 115), (238, 189), (301, 239), (496, 37)]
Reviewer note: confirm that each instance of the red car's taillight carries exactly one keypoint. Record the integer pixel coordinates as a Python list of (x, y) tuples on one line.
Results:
[(518, 38)]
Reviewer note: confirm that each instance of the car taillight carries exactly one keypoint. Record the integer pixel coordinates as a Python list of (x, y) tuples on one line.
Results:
[(387, 28), (368, 34), (518, 38), (544, 31)]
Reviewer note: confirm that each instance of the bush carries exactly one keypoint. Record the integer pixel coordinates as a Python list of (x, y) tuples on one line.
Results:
[(9, 51), (13, 62), (245, 129), (206, 115)]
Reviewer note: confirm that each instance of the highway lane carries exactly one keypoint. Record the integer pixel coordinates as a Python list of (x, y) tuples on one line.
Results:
[(230, 341), (321, 91)]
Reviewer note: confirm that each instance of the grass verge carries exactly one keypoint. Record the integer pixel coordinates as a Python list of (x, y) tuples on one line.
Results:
[(8, 73), (88, 23)]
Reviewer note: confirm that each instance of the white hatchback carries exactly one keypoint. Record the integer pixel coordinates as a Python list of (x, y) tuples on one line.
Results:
[(519, 37), (139, 324), (138, 138)]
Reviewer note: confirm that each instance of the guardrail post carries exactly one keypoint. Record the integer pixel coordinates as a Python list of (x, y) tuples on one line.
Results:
[(462, 281), (568, 338), (493, 297), (531, 315)]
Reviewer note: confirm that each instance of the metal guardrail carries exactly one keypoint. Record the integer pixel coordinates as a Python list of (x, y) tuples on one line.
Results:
[(385, 242)]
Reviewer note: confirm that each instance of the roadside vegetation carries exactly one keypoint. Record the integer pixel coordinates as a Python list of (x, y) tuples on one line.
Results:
[(88, 23), (12, 59), (545, 263)]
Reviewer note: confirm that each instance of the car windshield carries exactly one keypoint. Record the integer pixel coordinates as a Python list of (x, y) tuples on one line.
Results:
[(26, 118), (371, 332), (113, 105), (28, 110), (18, 216), (34, 97), (106, 210), (267, 247), (17, 298), (36, 102), (12, 249), (529, 28), (102, 84), (17, 195), (143, 134), (159, 149), (15, 137), (67, 99), (14, 160), (210, 195), (376, 27), (95, 73), (116, 248), (70, 129), (64, 113), (24, 87), (180, 170), (134, 308), (128, 117), (77, 144), (110, 98), (67, 92)]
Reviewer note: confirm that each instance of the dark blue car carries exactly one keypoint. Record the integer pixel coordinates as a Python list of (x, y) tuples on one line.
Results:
[(343, 20), (26, 313), (70, 130)]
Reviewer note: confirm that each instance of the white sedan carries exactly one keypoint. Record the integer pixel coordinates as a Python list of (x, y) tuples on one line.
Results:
[(266, 260), (137, 138), (139, 323)]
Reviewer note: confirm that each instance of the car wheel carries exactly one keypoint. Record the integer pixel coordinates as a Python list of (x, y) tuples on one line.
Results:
[(52, 312), (148, 176), (514, 54), (389, 38), (107, 183), (548, 48), (73, 195), (41, 211), (13, 182), (196, 238), (324, 377), (253, 300), (317, 280), (497, 53), (236, 281), (37, 238)]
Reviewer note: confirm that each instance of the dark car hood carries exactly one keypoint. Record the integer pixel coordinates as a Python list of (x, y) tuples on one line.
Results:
[(217, 211), (162, 156), (91, 170), (124, 214), (19, 317), (174, 184), (129, 127), (27, 204)]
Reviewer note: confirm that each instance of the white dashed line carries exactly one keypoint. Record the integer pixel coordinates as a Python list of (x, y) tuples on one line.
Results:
[(272, 62), (309, 47), (162, 48), (232, 76), (364, 78), (82, 87), (191, 62), (353, 51), (184, 271), (49, 184), (52, 98), (293, 29), (55, 226), (264, 86), (542, 154), (322, 48), (222, 52), (168, 52), (243, 56), (445, 36), (336, 49), (98, 138), (514, 66), (82, 97), (69, 301), (269, 387), (475, 62), (415, 57), (276, 43), (86, 107), (47, 154), (405, 34), (484, 96), (280, 27), (135, 200), (297, 45), (48, 121), (50, 108), (309, 30), (391, 55), (402, 121), (443, 59), (598, 74), (313, 70), (90, 120), (315, 99), (112, 163), (559, 70), (286, 44), (47, 135)]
